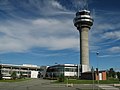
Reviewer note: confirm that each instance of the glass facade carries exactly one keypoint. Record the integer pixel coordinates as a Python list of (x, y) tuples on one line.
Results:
[(66, 70)]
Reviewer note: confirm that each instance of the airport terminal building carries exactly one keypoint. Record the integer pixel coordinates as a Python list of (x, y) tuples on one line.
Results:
[(73, 71), (67, 70), (30, 71), (55, 71)]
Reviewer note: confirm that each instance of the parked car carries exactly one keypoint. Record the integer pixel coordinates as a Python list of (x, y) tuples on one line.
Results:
[(7, 77)]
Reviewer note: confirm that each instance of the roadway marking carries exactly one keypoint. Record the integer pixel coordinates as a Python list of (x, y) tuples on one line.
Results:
[(108, 87)]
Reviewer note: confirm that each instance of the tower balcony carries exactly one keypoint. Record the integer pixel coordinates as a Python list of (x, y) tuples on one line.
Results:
[(83, 19)]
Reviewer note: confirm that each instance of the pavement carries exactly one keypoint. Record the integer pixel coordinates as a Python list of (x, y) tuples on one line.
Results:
[(40, 84)]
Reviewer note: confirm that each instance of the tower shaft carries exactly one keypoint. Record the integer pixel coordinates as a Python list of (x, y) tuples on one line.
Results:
[(84, 49)]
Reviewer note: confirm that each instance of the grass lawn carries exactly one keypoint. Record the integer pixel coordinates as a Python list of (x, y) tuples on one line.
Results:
[(17, 80), (74, 81)]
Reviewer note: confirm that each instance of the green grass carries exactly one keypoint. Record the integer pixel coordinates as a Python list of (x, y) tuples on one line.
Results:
[(74, 81), (17, 80)]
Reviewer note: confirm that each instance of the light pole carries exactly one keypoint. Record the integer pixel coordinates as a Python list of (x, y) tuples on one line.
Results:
[(78, 71), (93, 76), (97, 53)]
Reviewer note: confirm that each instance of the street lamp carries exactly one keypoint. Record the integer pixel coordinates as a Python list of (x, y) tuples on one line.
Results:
[(97, 53), (93, 76)]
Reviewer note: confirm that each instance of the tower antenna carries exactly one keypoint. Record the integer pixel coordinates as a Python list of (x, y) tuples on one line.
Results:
[(85, 4)]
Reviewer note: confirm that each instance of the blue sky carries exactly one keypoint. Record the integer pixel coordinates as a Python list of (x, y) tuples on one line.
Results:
[(41, 32)]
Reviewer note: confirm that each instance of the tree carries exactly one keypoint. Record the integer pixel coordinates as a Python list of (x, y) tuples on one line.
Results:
[(39, 75), (118, 75), (111, 73), (14, 75), (0, 72), (21, 75)]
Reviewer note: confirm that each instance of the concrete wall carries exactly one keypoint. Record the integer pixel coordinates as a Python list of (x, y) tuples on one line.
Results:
[(34, 74), (102, 75)]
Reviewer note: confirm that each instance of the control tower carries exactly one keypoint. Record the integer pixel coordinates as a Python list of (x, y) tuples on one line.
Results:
[(83, 21)]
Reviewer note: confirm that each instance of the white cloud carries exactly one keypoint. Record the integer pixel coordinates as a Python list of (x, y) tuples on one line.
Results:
[(48, 33), (24, 34), (56, 5), (64, 43), (114, 49), (112, 35), (51, 33), (103, 56), (32, 8), (105, 31), (79, 4)]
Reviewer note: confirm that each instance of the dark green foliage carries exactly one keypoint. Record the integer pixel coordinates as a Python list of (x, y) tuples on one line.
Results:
[(14, 75), (118, 75), (61, 78), (0, 72), (111, 73), (21, 75), (39, 74)]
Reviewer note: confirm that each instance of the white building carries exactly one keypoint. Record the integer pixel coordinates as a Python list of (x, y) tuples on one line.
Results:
[(26, 70), (68, 70)]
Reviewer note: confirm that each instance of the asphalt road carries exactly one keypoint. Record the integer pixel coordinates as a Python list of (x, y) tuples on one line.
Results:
[(40, 84)]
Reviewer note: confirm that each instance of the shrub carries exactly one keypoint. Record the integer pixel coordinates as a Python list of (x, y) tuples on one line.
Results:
[(61, 78), (14, 75)]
